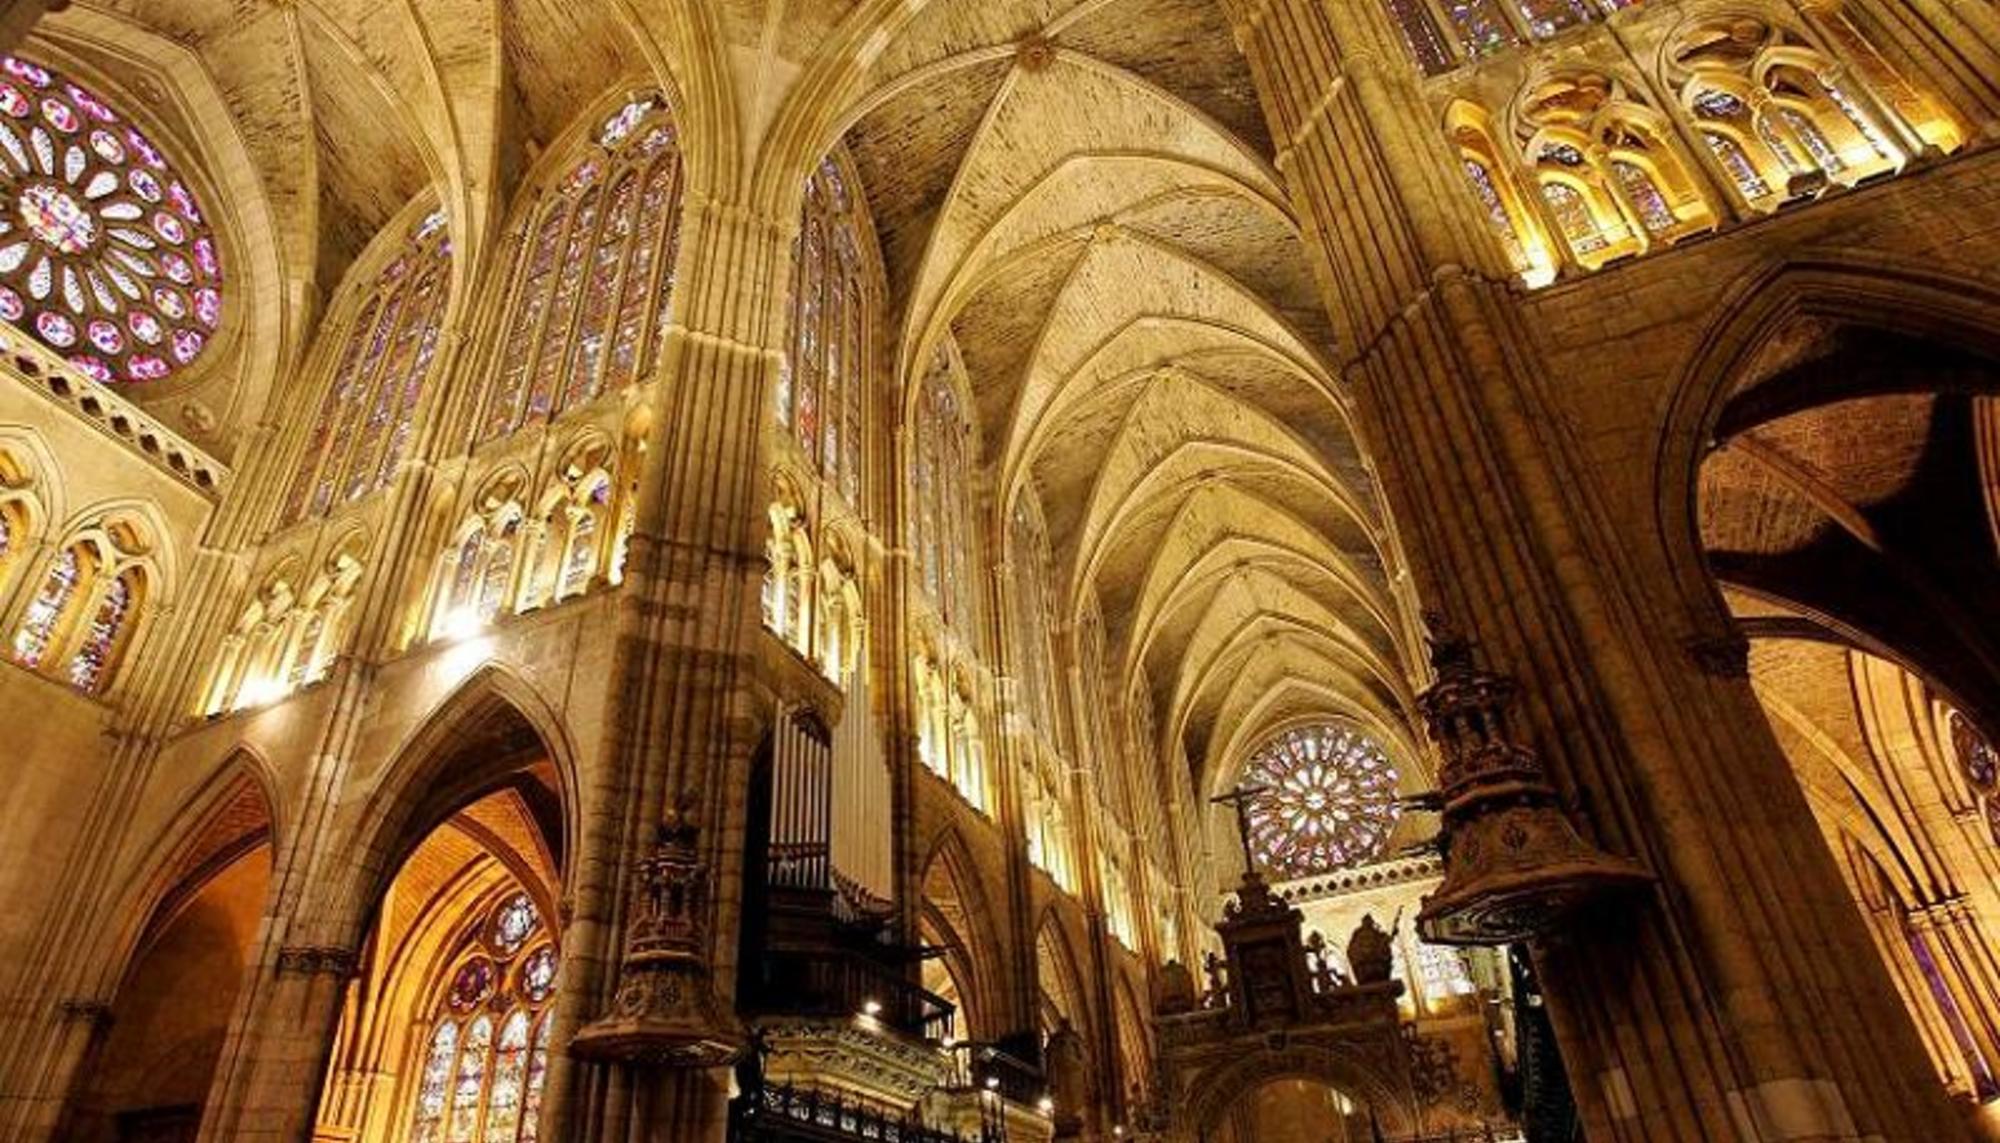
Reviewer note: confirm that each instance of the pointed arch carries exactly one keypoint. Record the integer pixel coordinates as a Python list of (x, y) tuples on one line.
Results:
[(491, 728), (953, 898), (1850, 287)]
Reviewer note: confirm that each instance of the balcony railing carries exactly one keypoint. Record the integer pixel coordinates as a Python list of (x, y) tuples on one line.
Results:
[(843, 983), (780, 1112)]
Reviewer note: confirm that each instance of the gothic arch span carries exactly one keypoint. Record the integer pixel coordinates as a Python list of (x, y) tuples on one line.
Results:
[(1847, 287), (951, 862), (490, 729), (1212, 1091)]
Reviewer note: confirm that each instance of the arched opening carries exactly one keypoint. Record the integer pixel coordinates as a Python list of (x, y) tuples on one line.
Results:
[(1292, 1110), (1844, 509), (148, 1075), (446, 1023)]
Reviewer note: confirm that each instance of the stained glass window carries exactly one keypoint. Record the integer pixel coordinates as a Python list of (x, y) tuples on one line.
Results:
[(1421, 33), (823, 376), (498, 576), (1547, 17), (1645, 194), (1497, 218), (1823, 152), (503, 1102), (462, 1125), (106, 256), (940, 523), (1482, 28), (487, 1059), (1573, 215), (1976, 755), (592, 273), (434, 1083), (46, 610), (538, 1070), (1329, 802), (513, 922), (93, 656), (1741, 171), (1029, 562), (365, 420)]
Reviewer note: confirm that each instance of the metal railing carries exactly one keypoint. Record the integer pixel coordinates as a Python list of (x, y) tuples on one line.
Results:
[(781, 1113), (842, 983)]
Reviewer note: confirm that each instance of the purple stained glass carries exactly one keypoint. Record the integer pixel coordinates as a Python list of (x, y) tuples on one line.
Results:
[(187, 344), (472, 984), (55, 329), (106, 335), (1329, 802), (97, 108), (145, 327), (143, 147), (107, 147), (14, 103), (45, 611), (94, 368), (85, 243), (60, 115), (90, 667)]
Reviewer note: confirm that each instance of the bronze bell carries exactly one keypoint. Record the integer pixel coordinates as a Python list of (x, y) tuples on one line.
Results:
[(1514, 865)]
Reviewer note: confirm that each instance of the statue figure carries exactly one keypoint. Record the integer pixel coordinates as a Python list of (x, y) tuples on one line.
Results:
[(1173, 991), (1213, 967), (1371, 954)]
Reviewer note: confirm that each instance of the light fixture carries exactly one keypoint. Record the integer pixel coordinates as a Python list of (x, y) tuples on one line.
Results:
[(1047, 1105), (992, 1083), (871, 1008)]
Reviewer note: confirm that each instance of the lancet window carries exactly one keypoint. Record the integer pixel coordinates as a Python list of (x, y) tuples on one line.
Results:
[(485, 1059), (1051, 848), (1783, 118), (479, 573), (19, 513), (592, 273), (940, 519), (85, 609), (385, 351), (1028, 562), (285, 639), (106, 255), (949, 741), (1329, 800), (1443, 34), (1119, 906), (822, 378)]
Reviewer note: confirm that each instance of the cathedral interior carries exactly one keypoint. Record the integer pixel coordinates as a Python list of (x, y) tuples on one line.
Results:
[(999, 571)]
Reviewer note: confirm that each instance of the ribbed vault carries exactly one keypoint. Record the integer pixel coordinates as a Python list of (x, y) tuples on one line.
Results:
[(1080, 197)]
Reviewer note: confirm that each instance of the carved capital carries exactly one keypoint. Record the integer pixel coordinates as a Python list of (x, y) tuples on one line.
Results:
[(83, 1010), (316, 960)]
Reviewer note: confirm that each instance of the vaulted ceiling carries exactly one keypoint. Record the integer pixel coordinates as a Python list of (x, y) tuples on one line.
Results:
[(1079, 193)]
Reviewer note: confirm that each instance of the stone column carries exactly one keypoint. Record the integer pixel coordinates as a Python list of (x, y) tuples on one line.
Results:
[(1744, 990), (658, 895)]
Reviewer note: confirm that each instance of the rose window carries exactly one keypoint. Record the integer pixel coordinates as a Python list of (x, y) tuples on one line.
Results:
[(1329, 801), (105, 257)]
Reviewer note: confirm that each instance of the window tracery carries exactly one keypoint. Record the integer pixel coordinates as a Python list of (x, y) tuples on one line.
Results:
[(1783, 118), (106, 256), (478, 578), (363, 427), (822, 378), (1028, 560), (940, 519), (86, 607), (592, 276), (949, 741), (486, 1057), (1329, 801), (19, 512)]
